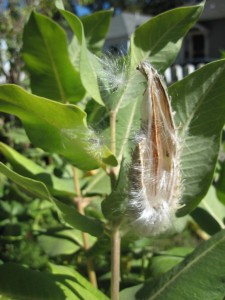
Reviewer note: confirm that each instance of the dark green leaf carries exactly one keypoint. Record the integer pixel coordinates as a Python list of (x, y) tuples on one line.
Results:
[(46, 56), (200, 276), (210, 213), (67, 212), (26, 167), (19, 283), (163, 262), (220, 184), (56, 127), (78, 221)]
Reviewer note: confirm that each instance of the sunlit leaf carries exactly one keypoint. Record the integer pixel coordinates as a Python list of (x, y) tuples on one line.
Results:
[(46, 56), (56, 127), (198, 101), (159, 40)]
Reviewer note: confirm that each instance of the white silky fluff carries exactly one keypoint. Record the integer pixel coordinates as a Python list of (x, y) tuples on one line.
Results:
[(155, 181)]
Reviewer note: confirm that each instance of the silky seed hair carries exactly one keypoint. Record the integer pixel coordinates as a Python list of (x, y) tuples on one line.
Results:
[(155, 181)]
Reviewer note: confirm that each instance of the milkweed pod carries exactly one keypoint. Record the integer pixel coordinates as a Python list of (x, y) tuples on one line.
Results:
[(155, 181)]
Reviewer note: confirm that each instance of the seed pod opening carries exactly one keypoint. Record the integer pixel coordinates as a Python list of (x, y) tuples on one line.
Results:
[(155, 181)]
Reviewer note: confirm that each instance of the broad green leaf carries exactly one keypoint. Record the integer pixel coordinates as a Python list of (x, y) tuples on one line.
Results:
[(56, 127), (67, 212), (159, 40), (164, 261), (115, 205), (55, 245), (76, 280), (199, 276), (210, 213), (78, 221), (97, 184), (46, 56), (198, 101), (36, 188), (19, 283), (96, 27), (87, 60), (26, 167)]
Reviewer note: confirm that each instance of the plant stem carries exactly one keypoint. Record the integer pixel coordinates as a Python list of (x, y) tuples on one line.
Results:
[(115, 238), (80, 208), (115, 263)]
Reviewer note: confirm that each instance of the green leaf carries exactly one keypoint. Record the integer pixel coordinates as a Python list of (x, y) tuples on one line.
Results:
[(56, 127), (78, 221), (87, 60), (26, 167), (220, 184), (159, 40), (67, 212), (34, 187), (96, 27), (54, 245), (164, 261), (75, 280), (210, 213), (198, 101), (46, 56), (115, 205), (98, 184), (191, 279), (59, 4), (17, 283)]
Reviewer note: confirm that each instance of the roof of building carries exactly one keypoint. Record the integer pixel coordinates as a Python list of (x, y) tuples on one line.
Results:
[(125, 24), (214, 9)]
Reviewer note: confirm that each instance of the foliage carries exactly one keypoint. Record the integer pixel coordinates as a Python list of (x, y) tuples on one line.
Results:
[(68, 174)]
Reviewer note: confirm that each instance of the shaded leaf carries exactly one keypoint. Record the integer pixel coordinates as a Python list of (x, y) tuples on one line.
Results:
[(17, 283), (78, 221), (26, 167), (220, 184), (67, 212), (206, 264), (166, 260), (46, 56), (210, 214)]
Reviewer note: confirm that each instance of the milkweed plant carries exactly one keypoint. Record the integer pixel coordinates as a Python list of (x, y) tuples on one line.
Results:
[(139, 159)]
